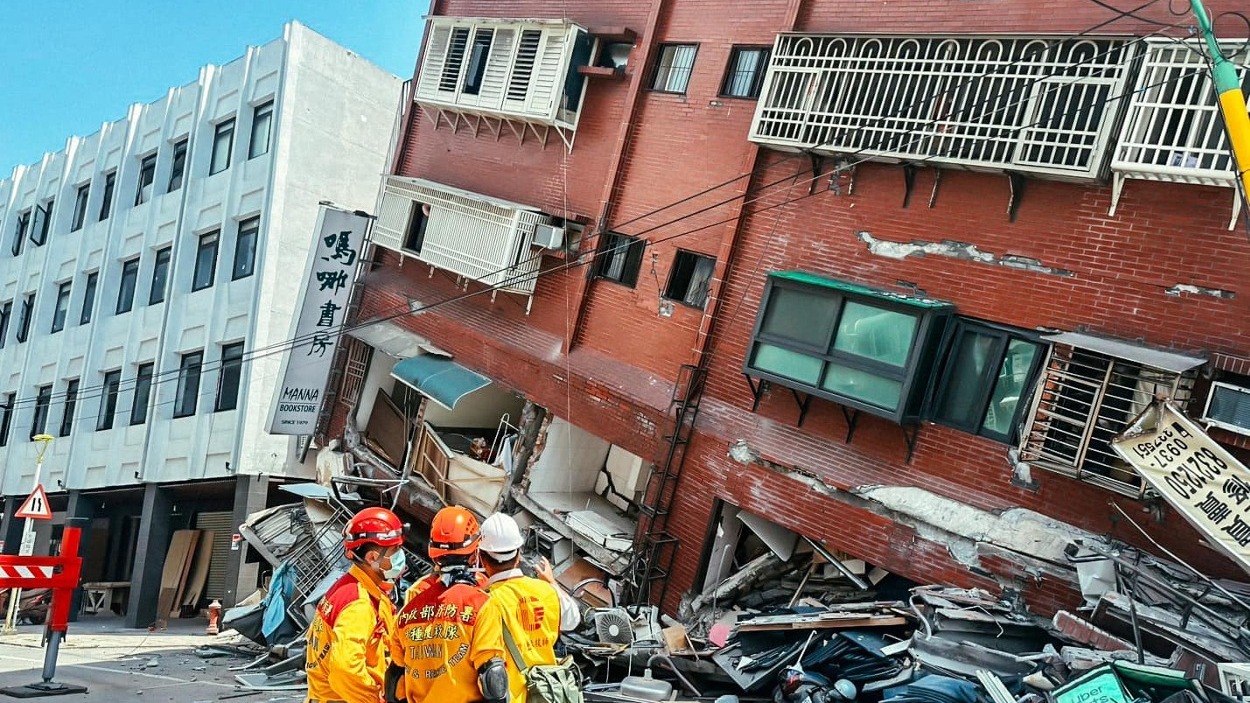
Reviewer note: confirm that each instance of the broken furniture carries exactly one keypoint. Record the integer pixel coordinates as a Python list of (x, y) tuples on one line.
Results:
[(99, 595)]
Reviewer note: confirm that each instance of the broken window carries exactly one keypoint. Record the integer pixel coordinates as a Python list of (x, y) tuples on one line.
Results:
[(1087, 396), (986, 373), (690, 278), (414, 233), (477, 61)]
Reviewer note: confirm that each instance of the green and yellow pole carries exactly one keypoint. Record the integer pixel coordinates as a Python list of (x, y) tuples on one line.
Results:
[(1232, 101)]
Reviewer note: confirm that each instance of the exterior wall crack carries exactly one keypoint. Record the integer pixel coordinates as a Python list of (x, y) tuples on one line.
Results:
[(955, 250), (1188, 289)]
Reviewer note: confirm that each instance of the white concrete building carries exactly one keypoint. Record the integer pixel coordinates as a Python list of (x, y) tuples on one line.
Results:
[(142, 266)]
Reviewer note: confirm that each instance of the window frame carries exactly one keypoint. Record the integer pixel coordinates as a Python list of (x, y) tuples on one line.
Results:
[(696, 259), (7, 411), (64, 291), (200, 248), (160, 273), (82, 200), (41, 225), (25, 318), (106, 201), (70, 407), (1003, 335), (43, 408), (757, 82), (251, 227), (190, 376), (632, 265), (88, 298), (110, 389), (223, 129), (913, 376), (130, 272), (143, 394), (231, 367), (6, 317), (265, 110), (177, 166), (20, 232), (658, 65), (147, 178)]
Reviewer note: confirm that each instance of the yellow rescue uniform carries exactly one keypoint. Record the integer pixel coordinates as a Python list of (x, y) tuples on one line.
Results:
[(348, 641), (531, 611), (442, 636)]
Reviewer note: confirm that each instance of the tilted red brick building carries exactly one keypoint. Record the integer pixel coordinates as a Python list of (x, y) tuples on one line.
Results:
[(922, 260)]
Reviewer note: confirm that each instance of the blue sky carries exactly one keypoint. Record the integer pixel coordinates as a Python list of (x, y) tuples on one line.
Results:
[(67, 66)]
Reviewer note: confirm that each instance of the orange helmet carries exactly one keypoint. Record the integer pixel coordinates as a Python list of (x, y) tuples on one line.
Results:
[(454, 532), (373, 526)]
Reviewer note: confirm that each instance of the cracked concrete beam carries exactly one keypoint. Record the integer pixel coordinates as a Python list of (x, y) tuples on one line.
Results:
[(955, 250), (1185, 288)]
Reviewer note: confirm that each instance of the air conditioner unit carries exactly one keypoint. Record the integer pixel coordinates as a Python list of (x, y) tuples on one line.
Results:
[(548, 236), (1228, 407)]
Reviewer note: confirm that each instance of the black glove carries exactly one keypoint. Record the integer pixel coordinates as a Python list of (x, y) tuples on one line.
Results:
[(394, 674)]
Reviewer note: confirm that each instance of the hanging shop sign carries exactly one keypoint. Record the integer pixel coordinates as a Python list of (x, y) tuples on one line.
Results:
[(332, 265), (1198, 477)]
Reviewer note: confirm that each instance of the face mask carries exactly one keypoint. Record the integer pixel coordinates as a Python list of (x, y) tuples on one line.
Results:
[(398, 562)]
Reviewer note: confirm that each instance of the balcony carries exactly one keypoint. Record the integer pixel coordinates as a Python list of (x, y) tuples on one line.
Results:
[(522, 74), (471, 235), (1173, 131), (1029, 105)]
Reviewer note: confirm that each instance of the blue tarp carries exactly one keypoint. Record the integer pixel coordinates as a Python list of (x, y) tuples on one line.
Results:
[(441, 379), (281, 588)]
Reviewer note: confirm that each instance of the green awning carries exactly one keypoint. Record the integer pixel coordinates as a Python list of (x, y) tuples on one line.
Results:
[(439, 378), (812, 279)]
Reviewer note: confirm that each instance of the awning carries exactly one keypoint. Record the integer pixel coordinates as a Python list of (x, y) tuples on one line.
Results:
[(439, 378), (390, 339), (1154, 358)]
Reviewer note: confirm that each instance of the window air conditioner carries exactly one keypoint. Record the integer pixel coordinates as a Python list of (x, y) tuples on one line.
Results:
[(548, 236), (1228, 407)]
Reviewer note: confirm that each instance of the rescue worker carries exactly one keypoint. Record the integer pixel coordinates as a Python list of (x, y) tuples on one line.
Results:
[(535, 610), (447, 646), (347, 644)]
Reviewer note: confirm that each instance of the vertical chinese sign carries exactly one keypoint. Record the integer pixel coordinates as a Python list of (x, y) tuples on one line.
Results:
[(327, 288), (1198, 477)]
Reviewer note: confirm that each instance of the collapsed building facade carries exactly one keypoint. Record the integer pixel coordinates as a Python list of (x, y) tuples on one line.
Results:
[(692, 282)]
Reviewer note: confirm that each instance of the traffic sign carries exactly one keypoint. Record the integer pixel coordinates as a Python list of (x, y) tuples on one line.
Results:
[(36, 506)]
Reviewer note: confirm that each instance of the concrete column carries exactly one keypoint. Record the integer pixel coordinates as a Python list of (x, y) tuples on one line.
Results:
[(251, 494), (82, 507), (11, 527), (153, 543)]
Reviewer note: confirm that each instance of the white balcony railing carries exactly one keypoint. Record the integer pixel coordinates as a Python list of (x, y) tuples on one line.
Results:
[(1026, 104), (469, 234)]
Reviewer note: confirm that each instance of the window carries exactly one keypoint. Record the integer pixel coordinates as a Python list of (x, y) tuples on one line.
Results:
[(143, 394), (231, 374), (860, 347), (673, 67), (24, 317), (88, 298), (262, 124), (6, 313), (620, 258), (108, 400), (414, 233), (1088, 395), (205, 261), (62, 306), (188, 384), (223, 141), (178, 166), (19, 236), (106, 202), (986, 380), (688, 281), (147, 175), (126, 293), (454, 59), (80, 207), (160, 276), (477, 61), (745, 74), (6, 418), (245, 248), (43, 399), (41, 224), (71, 404)]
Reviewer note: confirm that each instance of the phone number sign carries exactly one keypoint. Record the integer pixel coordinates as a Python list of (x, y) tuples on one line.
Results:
[(1197, 476)]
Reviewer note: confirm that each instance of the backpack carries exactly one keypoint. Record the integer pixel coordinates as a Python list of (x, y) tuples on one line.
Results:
[(547, 683)]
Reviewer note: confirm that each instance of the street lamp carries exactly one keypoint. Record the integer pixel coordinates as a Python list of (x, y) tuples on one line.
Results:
[(28, 532)]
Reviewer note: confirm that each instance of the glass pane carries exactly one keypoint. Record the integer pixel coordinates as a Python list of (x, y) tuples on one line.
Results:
[(1009, 387), (873, 333), (797, 315), (789, 364), (862, 385), (963, 384)]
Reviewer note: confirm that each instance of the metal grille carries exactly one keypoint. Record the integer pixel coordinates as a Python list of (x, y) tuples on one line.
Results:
[(358, 356), (1030, 104), (1085, 399), (1173, 130)]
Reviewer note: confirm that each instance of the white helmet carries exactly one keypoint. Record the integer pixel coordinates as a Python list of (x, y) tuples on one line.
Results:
[(501, 537)]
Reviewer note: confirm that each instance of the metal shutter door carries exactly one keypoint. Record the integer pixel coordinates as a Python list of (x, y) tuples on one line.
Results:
[(222, 527)]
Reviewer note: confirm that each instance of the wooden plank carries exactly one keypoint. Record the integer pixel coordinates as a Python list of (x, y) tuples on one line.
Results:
[(171, 572), (199, 571), (822, 623)]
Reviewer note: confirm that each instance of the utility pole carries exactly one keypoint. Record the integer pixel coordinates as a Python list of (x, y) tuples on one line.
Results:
[(1232, 101)]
